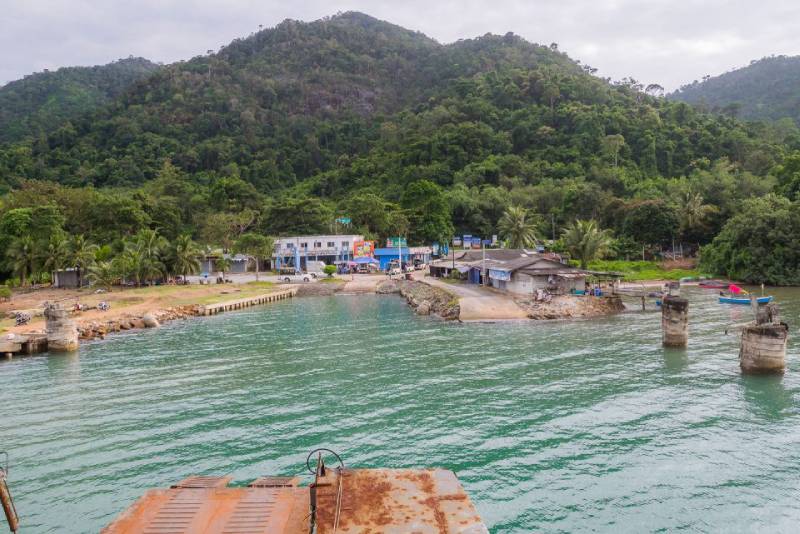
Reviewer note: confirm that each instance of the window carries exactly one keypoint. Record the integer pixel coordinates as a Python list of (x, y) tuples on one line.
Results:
[(317, 244), (303, 245), (331, 244), (345, 244), (290, 246)]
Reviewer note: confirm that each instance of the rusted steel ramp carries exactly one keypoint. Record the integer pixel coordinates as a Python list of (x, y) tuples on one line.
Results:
[(430, 501), (206, 505), (343, 501)]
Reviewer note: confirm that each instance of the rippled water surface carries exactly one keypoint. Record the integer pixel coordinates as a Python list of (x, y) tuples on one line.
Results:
[(555, 427)]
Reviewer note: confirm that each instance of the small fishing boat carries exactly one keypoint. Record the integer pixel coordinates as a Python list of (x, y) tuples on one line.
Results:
[(744, 300), (713, 284)]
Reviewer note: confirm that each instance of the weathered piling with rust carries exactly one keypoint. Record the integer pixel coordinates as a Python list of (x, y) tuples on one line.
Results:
[(763, 344), (62, 333), (674, 321)]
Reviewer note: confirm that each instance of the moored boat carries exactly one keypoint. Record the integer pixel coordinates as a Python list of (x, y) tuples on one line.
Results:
[(713, 284), (744, 300)]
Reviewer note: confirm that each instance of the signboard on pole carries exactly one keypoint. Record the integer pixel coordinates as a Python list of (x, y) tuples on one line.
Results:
[(456, 241), (435, 248), (394, 242), (467, 241), (344, 220), (476, 242)]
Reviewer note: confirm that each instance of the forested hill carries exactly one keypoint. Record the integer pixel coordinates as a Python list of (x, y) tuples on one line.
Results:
[(45, 100), (284, 130), (766, 89)]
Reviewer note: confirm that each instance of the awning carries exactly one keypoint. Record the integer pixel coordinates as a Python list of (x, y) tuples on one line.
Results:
[(362, 260)]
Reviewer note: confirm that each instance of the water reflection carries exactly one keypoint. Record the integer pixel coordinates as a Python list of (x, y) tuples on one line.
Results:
[(676, 360), (767, 396), (64, 366)]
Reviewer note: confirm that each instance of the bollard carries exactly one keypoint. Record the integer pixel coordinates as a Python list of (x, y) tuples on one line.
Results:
[(674, 321)]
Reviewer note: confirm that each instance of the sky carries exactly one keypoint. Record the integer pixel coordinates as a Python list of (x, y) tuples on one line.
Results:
[(669, 42)]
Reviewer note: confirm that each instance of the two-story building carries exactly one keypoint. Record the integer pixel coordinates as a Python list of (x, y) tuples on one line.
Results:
[(332, 249)]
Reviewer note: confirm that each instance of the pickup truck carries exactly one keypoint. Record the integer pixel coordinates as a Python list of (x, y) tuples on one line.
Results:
[(296, 278)]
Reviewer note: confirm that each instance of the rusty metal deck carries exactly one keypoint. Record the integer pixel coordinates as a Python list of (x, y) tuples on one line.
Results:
[(348, 501), (216, 509), (395, 501)]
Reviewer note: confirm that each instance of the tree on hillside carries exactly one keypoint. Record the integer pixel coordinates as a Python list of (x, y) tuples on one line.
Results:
[(586, 241), (519, 227), (612, 144), (21, 256), (104, 274), (256, 245), (428, 212), (55, 255)]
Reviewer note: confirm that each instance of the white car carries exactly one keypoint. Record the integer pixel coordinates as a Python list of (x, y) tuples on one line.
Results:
[(296, 278)]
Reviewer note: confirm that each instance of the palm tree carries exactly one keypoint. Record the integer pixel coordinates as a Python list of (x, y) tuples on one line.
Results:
[(519, 227), (149, 246), (585, 240), (693, 212), (129, 263), (185, 255), (82, 255), (22, 256), (104, 274), (56, 255)]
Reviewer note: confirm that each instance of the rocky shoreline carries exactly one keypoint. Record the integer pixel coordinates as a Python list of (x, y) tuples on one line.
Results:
[(571, 307), (423, 298), (88, 330)]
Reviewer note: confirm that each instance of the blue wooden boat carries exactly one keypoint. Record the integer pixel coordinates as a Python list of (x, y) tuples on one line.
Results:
[(744, 300)]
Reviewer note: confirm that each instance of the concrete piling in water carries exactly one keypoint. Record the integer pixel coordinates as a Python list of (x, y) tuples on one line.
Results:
[(674, 321), (763, 344), (62, 333)]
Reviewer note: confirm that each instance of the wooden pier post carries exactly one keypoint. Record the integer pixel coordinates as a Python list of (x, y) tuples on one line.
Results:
[(674, 321), (763, 344)]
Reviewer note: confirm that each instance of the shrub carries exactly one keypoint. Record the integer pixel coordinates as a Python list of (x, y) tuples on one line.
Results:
[(329, 270), (5, 292)]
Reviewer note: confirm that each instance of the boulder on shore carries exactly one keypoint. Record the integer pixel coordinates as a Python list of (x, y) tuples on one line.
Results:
[(150, 321)]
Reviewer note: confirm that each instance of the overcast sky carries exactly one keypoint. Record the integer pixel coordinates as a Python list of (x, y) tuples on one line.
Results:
[(670, 42)]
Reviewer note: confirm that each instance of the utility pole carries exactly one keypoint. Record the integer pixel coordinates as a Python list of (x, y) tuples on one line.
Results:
[(553, 221), (483, 267)]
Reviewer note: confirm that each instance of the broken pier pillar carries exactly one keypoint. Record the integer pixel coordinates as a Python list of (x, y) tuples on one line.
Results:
[(674, 321), (62, 334), (763, 344)]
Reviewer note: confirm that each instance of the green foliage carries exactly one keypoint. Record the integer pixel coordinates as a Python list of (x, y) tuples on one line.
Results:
[(284, 131), (330, 270), (44, 102), (5, 293), (765, 89), (585, 241), (760, 244), (641, 270), (519, 227)]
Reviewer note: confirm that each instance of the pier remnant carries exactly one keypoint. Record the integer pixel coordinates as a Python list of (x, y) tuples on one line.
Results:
[(62, 333), (675, 321), (763, 344)]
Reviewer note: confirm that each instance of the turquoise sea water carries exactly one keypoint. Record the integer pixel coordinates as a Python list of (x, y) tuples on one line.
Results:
[(551, 427)]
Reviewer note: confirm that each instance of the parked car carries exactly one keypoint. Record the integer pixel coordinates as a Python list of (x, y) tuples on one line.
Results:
[(296, 278)]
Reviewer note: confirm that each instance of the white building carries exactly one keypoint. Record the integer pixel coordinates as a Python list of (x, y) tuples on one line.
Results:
[(328, 248)]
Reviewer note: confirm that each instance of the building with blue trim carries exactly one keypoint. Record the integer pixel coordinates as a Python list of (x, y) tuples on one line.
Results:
[(386, 255)]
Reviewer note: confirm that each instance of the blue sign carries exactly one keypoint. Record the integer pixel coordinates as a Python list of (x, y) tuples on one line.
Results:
[(344, 220), (504, 276), (467, 240)]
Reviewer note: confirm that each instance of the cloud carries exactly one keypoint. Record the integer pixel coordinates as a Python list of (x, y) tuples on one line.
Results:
[(668, 42)]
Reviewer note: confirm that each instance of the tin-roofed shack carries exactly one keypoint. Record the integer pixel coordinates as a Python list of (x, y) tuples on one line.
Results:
[(518, 271)]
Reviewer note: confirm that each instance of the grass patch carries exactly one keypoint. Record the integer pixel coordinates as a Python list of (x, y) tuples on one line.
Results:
[(641, 270), (331, 281)]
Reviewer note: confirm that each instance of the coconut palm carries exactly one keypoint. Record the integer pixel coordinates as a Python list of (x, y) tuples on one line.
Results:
[(184, 257), (21, 256), (693, 212), (585, 241), (519, 227), (148, 258), (82, 253), (104, 274), (56, 253)]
